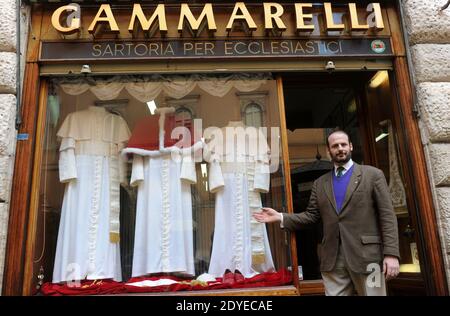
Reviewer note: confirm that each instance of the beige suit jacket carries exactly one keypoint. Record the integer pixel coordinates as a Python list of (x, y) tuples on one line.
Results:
[(366, 225)]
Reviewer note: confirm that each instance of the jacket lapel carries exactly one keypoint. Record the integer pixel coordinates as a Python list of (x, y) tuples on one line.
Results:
[(328, 186), (355, 180)]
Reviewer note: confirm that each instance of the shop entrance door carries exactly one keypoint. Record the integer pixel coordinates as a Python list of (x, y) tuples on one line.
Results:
[(361, 103)]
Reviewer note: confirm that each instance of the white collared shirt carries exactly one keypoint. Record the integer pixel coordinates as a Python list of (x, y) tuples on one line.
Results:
[(347, 166)]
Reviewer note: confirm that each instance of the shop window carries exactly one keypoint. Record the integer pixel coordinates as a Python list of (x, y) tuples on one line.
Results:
[(124, 203)]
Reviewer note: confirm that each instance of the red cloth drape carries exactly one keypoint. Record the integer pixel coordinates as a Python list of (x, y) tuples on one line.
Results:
[(145, 134), (98, 287)]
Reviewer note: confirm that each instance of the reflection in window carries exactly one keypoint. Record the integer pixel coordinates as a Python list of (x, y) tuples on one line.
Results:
[(384, 139), (253, 115), (183, 117), (148, 215)]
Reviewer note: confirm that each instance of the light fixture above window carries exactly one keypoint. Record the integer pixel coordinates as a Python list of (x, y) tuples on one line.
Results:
[(380, 77)]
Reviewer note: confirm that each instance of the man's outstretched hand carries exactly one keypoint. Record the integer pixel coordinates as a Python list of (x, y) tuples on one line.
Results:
[(267, 215)]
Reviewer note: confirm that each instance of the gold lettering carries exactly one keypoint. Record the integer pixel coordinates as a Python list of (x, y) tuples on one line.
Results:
[(245, 16), (269, 17), (109, 18), (67, 19), (354, 18), (330, 20), (300, 16), (75, 21), (97, 48), (196, 23), (375, 19), (145, 24)]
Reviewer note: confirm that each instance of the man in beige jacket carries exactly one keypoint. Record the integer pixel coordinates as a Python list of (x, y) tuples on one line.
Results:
[(360, 244)]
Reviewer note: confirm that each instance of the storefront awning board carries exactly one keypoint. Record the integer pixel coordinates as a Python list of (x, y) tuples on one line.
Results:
[(215, 66)]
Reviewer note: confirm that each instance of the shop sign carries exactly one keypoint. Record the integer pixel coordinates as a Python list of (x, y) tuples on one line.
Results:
[(152, 20), (67, 19), (220, 48)]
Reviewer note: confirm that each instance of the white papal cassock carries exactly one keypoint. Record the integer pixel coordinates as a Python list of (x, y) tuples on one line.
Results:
[(164, 235), (237, 176), (90, 165)]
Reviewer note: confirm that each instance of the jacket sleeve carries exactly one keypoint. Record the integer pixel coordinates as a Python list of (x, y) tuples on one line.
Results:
[(387, 218), (67, 161), (137, 171), (296, 221)]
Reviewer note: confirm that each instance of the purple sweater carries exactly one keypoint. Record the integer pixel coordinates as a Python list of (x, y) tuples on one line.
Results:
[(340, 187)]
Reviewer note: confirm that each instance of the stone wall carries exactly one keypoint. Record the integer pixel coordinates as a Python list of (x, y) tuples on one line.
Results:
[(8, 89), (429, 36)]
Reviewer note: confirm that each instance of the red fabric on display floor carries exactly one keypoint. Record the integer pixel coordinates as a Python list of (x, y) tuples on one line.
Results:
[(107, 287)]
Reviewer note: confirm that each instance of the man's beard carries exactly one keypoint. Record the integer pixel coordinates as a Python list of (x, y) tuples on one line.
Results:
[(347, 158)]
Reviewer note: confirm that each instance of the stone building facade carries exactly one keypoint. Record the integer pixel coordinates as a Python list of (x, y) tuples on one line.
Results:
[(428, 30), (8, 96)]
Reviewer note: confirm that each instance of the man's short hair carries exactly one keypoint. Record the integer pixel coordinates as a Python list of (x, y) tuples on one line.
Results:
[(337, 130)]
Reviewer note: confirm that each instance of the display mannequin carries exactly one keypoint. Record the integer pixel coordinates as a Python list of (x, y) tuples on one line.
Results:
[(163, 174), (91, 167), (238, 173)]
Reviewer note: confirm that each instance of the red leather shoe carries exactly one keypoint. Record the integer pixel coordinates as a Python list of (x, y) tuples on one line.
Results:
[(238, 277), (228, 277)]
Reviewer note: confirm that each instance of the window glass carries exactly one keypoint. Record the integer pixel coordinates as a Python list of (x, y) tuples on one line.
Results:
[(384, 138), (138, 190)]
